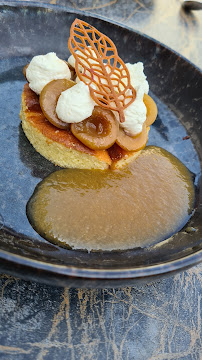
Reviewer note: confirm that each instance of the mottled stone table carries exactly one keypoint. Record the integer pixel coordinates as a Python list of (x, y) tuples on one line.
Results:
[(157, 321)]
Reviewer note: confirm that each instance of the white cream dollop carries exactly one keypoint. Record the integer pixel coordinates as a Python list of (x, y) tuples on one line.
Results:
[(137, 77), (75, 104), (135, 114), (45, 68)]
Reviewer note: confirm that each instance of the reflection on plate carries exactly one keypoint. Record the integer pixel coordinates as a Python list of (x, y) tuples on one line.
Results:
[(175, 84)]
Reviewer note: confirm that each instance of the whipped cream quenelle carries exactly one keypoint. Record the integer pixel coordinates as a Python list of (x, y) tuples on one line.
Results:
[(75, 104), (135, 114), (45, 68)]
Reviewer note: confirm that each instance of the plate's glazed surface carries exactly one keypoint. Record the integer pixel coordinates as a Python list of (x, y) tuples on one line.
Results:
[(175, 85)]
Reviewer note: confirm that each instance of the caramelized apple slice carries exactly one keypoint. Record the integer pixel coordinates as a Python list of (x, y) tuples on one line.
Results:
[(99, 131), (49, 97), (133, 143), (151, 109)]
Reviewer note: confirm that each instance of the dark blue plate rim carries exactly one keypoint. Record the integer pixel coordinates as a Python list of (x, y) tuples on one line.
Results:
[(124, 273)]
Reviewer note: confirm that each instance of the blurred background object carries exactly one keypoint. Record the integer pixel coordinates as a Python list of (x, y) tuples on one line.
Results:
[(192, 5)]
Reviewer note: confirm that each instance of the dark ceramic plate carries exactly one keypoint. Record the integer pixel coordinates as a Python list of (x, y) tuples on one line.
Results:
[(28, 30)]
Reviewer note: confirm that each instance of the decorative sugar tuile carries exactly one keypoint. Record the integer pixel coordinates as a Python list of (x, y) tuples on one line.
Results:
[(109, 84)]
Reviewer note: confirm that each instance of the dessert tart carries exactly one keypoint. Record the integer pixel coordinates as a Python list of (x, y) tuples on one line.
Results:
[(93, 112)]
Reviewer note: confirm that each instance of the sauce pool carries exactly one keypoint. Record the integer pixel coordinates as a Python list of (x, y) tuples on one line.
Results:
[(144, 203)]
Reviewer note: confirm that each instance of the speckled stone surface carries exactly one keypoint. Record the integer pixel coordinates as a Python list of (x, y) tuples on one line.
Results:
[(157, 321)]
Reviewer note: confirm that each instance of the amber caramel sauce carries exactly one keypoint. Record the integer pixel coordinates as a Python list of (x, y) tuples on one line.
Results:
[(144, 203)]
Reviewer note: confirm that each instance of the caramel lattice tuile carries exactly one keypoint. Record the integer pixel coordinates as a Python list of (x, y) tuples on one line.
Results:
[(98, 65)]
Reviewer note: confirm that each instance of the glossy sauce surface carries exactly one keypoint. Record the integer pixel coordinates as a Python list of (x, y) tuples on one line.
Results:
[(144, 203)]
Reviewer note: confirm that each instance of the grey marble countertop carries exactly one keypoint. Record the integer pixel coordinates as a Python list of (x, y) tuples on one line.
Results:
[(156, 321)]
